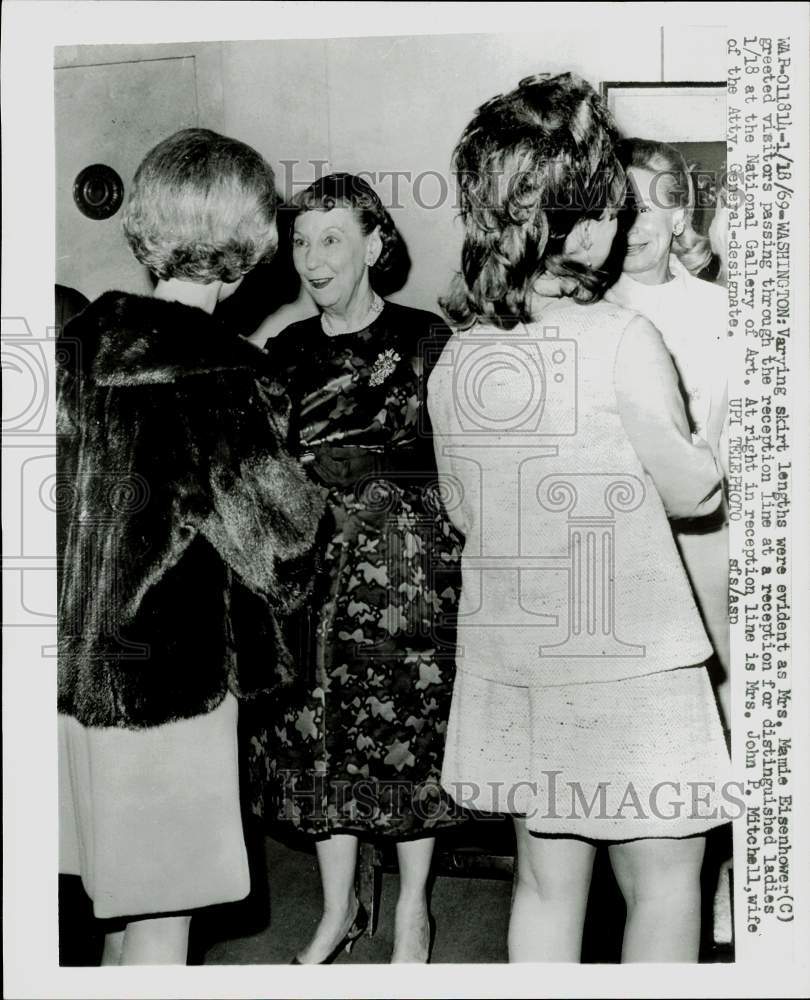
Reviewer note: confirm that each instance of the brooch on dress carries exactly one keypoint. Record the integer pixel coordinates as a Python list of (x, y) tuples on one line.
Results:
[(383, 366)]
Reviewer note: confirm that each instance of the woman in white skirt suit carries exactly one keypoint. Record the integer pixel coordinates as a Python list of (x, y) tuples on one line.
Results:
[(581, 703)]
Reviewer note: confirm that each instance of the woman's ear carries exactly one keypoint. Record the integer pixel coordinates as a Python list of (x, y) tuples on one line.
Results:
[(374, 246), (550, 286), (678, 221)]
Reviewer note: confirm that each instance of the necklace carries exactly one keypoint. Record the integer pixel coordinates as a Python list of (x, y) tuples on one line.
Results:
[(373, 311)]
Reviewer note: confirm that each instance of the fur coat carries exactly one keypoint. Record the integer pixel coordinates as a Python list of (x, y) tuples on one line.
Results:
[(186, 532)]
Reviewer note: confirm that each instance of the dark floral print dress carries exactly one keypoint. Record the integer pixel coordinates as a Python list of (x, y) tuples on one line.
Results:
[(359, 748)]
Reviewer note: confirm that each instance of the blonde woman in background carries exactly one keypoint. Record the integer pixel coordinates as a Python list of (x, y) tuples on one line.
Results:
[(664, 253)]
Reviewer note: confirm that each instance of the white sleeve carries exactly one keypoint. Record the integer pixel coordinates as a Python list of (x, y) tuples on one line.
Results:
[(652, 412), (442, 419)]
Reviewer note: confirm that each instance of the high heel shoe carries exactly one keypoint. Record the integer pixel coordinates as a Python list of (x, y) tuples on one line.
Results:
[(346, 943)]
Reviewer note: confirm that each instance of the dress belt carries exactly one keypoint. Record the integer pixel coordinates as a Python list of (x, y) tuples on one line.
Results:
[(342, 465)]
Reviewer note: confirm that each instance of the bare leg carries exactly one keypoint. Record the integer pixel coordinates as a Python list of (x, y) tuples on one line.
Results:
[(113, 947), (411, 922), (156, 941), (660, 882), (337, 860), (550, 897)]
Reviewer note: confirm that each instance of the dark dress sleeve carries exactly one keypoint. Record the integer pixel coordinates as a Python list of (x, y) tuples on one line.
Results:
[(285, 357), (286, 353), (427, 337)]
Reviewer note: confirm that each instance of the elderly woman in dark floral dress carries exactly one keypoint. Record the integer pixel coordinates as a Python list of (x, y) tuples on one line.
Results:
[(360, 754)]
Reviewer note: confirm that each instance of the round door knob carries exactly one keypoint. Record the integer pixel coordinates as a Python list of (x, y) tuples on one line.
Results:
[(98, 191)]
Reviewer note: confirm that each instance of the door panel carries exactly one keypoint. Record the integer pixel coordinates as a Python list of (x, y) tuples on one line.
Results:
[(112, 113)]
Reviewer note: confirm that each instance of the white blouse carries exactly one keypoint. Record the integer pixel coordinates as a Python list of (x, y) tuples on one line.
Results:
[(692, 316)]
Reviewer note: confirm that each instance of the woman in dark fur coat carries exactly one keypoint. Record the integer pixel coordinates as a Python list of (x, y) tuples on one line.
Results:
[(186, 535)]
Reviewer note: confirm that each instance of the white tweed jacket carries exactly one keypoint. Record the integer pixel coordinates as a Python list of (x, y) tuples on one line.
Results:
[(562, 447)]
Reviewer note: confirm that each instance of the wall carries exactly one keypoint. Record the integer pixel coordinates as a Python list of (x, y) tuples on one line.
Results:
[(399, 104), (112, 104)]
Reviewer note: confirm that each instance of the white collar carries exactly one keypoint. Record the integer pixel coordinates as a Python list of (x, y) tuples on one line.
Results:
[(628, 291)]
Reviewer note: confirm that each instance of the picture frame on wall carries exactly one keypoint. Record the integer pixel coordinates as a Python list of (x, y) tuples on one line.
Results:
[(688, 115)]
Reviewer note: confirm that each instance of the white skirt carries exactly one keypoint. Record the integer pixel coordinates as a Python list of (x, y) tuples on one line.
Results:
[(150, 818), (616, 760)]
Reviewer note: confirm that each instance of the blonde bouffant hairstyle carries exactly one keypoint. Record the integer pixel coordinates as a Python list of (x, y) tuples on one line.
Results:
[(202, 208), (676, 186)]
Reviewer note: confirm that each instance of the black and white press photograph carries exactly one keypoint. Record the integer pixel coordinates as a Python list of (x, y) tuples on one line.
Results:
[(388, 433)]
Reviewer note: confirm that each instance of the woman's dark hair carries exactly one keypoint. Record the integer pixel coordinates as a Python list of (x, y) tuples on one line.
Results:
[(530, 165), (202, 208), (342, 190)]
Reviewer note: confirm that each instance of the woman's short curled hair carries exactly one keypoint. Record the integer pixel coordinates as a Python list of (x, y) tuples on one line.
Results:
[(674, 186), (530, 165), (343, 190), (202, 208)]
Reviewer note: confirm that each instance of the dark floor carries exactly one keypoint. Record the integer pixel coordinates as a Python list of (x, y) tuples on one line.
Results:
[(455, 904), (471, 915)]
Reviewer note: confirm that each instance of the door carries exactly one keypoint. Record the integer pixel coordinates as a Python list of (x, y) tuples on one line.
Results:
[(112, 113)]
